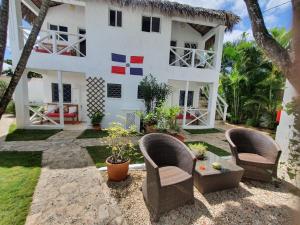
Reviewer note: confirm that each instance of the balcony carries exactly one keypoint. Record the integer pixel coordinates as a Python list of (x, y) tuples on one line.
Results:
[(58, 43), (195, 58)]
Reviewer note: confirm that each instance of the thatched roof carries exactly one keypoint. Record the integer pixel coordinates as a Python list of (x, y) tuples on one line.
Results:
[(171, 9), (28, 15)]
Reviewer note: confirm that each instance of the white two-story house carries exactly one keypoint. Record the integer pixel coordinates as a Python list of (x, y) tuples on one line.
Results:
[(93, 54)]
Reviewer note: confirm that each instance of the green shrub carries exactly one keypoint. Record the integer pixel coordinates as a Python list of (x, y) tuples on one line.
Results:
[(11, 108)]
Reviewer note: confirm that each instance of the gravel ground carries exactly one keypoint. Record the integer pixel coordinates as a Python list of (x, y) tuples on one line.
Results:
[(251, 203)]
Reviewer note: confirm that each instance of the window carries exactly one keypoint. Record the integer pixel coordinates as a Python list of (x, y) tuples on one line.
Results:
[(190, 98), (114, 90), (115, 18), (150, 24), (172, 54), (140, 93), (61, 37), (67, 92)]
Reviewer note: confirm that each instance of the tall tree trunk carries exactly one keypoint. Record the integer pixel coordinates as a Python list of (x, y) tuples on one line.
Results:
[(296, 40), (271, 47), (3, 30), (38, 22)]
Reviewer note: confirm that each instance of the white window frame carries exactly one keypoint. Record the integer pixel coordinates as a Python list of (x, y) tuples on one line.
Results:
[(116, 17), (151, 24), (58, 26)]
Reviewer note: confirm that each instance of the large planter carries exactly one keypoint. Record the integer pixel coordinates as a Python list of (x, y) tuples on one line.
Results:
[(97, 127), (117, 171), (150, 129)]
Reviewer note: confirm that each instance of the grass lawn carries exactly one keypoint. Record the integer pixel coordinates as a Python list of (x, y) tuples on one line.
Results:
[(217, 151), (203, 131), (91, 133), (28, 135), (100, 153), (19, 174)]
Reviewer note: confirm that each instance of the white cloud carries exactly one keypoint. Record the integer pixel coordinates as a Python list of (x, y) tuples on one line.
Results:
[(236, 35), (239, 8)]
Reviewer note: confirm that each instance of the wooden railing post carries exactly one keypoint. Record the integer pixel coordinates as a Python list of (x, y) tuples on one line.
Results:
[(54, 42), (193, 57)]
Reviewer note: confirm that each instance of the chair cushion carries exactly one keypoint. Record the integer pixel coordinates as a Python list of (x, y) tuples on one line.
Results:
[(170, 175), (254, 159)]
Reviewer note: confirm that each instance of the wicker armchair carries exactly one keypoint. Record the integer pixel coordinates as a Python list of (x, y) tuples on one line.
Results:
[(170, 166), (258, 154)]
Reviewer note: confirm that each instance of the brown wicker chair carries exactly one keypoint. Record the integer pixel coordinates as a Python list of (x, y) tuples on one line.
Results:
[(170, 166), (258, 154)]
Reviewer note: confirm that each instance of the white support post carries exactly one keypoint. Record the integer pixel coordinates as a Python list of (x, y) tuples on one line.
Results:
[(54, 42), (193, 57), (15, 33), (21, 102), (185, 103), (212, 102), (218, 47), (60, 98)]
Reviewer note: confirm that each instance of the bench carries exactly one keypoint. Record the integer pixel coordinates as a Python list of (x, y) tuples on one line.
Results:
[(70, 117)]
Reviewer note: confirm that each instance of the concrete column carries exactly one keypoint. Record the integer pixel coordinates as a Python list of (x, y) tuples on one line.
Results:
[(15, 33), (218, 47), (213, 95), (21, 102), (60, 98), (185, 102)]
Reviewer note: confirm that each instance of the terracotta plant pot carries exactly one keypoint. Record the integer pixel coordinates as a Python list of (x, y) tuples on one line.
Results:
[(150, 129), (179, 137), (118, 171), (97, 127)]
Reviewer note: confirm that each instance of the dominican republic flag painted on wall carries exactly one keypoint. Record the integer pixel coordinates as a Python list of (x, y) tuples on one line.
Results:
[(120, 64)]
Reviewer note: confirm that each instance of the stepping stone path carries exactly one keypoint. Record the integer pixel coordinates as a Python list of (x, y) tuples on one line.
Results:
[(70, 190)]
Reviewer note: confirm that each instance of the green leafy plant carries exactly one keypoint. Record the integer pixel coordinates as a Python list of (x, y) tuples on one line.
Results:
[(154, 93), (97, 118), (120, 144), (198, 149), (166, 117)]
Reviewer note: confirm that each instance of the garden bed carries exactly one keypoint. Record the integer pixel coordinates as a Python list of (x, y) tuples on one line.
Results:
[(100, 153), (91, 133), (19, 174), (203, 131)]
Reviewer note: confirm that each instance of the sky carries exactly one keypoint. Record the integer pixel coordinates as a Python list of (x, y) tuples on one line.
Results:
[(280, 16)]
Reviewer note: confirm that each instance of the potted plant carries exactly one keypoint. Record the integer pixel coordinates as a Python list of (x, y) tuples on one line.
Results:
[(199, 150), (122, 149), (150, 122), (96, 120), (167, 121)]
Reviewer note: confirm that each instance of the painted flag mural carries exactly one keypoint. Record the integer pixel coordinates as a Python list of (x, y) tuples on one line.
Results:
[(121, 66)]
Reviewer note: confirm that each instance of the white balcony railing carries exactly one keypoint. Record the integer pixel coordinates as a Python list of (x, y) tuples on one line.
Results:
[(58, 42), (187, 57)]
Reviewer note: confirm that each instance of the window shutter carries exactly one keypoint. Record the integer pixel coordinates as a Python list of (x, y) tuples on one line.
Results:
[(155, 24), (114, 90), (146, 23), (54, 88), (67, 92)]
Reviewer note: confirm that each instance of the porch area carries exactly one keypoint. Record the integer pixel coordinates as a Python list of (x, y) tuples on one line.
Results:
[(51, 100), (199, 102)]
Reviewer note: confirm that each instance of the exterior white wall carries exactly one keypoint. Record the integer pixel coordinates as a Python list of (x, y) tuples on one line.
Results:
[(36, 92), (102, 40), (39, 90), (182, 33), (284, 130), (178, 86), (71, 16)]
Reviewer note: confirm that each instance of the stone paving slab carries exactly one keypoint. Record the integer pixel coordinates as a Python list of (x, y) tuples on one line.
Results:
[(70, 189)]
